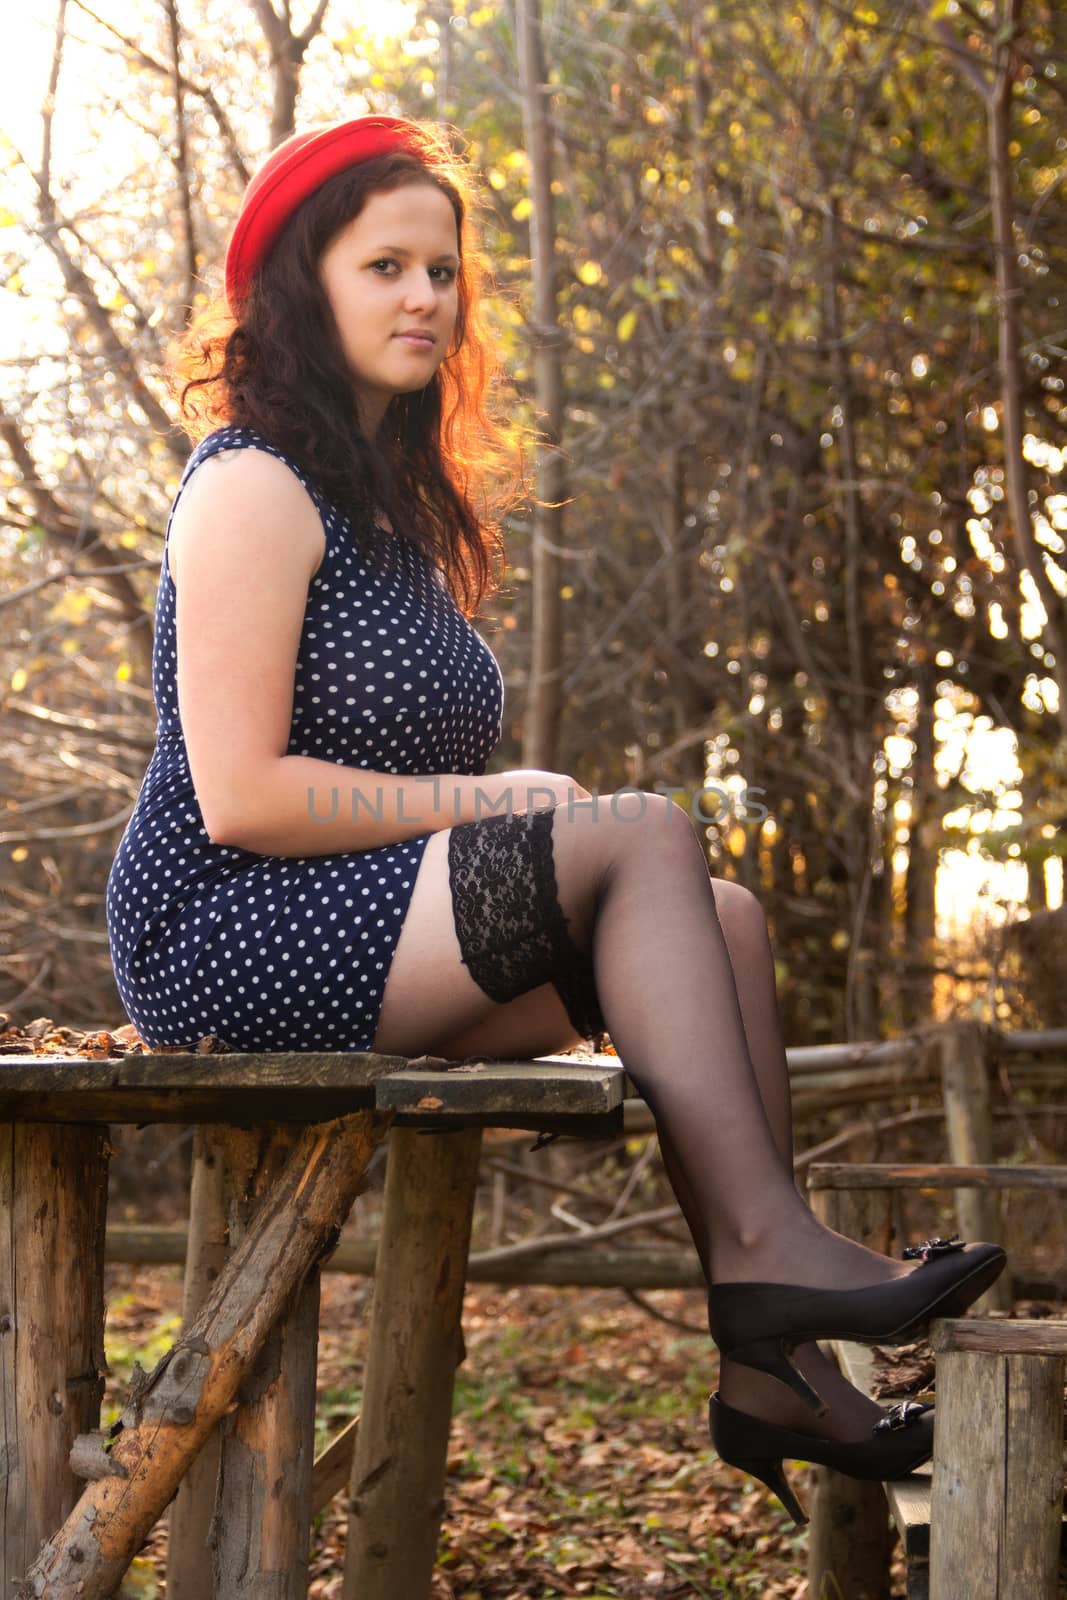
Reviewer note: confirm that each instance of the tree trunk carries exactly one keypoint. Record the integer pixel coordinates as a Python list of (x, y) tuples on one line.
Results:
[(544, 703), (924, 831)]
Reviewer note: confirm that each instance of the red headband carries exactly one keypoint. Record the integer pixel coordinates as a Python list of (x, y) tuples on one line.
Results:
[(293, 171)]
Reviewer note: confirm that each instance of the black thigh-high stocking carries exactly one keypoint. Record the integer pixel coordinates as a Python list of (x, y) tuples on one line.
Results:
[(674, 995), (744, 928)]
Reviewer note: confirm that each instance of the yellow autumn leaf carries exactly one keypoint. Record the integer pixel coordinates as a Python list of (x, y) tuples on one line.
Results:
[(73, 607), (626, 326), (521, 209), (18, 680), (590, 272)]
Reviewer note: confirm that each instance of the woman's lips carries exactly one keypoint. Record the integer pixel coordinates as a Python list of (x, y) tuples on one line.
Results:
[(416, 340)]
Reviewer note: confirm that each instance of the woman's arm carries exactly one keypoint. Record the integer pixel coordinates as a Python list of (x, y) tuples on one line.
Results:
[(245, 540)]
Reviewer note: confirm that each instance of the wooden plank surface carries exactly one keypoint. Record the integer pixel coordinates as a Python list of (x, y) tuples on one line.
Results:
[(224, 1088), (941, 1175), (1006, 1336), (550, 1086), (313, 1087)]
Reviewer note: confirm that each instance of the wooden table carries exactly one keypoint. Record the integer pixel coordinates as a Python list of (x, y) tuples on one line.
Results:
[(225, 1420)]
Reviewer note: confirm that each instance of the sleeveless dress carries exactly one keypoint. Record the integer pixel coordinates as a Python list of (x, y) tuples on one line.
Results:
[(293, 952)]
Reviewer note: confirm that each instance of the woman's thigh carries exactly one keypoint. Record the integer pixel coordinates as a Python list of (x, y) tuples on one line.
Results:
[(432, 1004)]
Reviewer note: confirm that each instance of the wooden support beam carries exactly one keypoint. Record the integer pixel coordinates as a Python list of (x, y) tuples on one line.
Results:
[(173, 1409), (923, 1175), (996, 1501), (333, 1468), (398, 1474), (849, 1539), (864, 1214), (969, 1131), (53, 1200)]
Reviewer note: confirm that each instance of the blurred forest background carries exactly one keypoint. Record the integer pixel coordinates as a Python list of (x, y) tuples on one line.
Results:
[(786, 284)]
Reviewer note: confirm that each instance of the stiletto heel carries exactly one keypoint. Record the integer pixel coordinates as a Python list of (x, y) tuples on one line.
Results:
[(900, 1441), (772, 1473), (761, 1324)]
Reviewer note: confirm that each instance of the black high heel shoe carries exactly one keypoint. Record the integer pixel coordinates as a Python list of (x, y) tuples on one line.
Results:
[(899, 1443), (761, 1324)]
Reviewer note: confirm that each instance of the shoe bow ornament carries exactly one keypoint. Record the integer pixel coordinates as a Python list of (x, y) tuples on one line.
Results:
[(933, 1247), (902, 1415)]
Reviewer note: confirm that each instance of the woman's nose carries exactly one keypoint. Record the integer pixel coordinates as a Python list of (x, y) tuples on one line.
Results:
[(420, 290)]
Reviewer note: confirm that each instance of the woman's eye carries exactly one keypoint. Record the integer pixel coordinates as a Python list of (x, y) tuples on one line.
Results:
[(447, 273)]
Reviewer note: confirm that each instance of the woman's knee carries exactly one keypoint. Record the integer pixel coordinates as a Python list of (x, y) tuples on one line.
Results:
[(738, 908), (632, 820), (623, 814)]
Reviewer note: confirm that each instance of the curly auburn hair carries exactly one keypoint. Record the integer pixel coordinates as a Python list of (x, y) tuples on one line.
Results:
[(443, 469)]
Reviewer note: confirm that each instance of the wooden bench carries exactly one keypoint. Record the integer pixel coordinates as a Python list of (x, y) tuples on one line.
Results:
[(225, 1421), (986, 1517)]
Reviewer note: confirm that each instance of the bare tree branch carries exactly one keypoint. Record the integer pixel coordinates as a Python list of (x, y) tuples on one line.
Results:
[(64, 528), (203, 91), (181, 155)]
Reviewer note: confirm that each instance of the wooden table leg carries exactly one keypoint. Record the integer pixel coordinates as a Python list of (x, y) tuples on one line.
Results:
[(53, 1213), (136, 1470), (396, 1491), (261, 1533), (189, 1568)]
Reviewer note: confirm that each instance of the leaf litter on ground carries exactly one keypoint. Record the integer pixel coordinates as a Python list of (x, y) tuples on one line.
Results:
[(579, 1462)]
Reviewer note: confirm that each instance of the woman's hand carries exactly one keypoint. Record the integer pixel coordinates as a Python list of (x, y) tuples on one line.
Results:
[(530, 788)]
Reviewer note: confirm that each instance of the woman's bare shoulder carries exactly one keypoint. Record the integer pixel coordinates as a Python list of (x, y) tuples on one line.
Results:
[(238, 483)]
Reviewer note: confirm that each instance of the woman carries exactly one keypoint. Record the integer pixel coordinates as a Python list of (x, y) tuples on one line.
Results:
[(316, 860)]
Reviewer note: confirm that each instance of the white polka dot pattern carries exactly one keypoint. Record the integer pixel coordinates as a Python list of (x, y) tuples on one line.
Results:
[(286, 952)]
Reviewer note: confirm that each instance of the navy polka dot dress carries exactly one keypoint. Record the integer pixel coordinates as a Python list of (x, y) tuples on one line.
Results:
[(292, 953)]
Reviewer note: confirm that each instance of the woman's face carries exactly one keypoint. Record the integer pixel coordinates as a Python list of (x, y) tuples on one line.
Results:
[(390, 274)]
